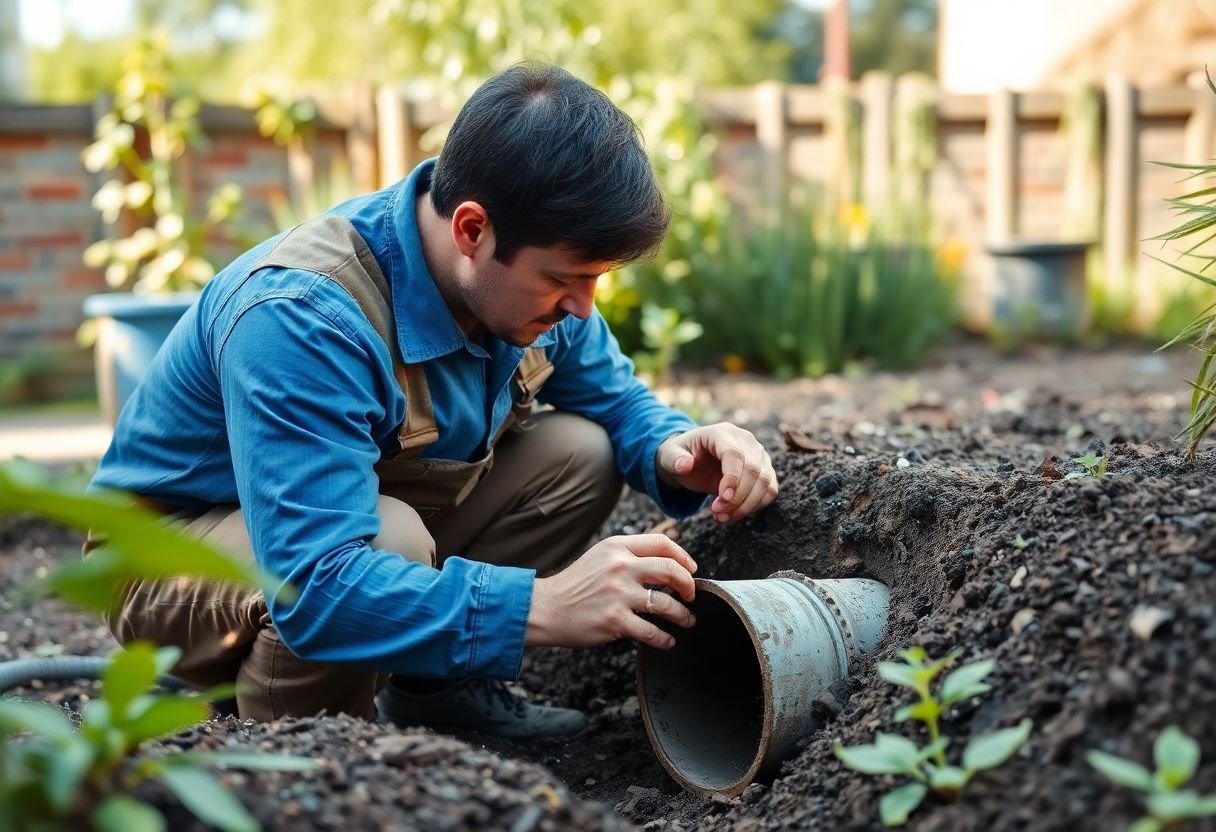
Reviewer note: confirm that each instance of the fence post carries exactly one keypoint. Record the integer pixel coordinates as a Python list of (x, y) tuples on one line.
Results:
[(394, 138), (1119, 220), (1002, 148), (361, 139), (772, 133), (877, 90)]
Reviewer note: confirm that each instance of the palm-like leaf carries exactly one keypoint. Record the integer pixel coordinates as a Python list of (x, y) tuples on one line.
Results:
[(1199, 209)]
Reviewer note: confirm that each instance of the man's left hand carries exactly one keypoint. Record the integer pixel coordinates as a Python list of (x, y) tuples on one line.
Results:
[(723, 460)]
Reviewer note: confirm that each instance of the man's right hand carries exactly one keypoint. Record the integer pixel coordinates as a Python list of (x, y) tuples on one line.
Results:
[(598, 598)]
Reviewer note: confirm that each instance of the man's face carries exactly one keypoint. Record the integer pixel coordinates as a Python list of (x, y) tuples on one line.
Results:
[(519, 301)]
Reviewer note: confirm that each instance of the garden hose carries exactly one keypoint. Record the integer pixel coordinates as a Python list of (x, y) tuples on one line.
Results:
[(65, 669)]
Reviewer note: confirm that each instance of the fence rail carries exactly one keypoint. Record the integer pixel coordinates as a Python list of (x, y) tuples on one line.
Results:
[(1004, 169)]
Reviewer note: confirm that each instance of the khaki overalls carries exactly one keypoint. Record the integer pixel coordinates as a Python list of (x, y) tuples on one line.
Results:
[(546, 485)]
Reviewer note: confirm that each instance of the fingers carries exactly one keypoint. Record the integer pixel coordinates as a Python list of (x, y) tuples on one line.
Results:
[(658, 546), (649, 633), (748, 482), (666, 572), (659, 603)]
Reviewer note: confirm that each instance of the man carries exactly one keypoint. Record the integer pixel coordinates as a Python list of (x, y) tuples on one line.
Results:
[(350, 405)]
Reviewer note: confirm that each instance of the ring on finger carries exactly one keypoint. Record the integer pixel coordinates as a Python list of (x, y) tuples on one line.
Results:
[(650, 600)]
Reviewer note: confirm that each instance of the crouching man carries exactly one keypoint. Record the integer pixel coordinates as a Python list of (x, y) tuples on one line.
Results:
[(350, 403)]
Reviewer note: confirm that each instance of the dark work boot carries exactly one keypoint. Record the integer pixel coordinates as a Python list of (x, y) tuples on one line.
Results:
[(483, 705)]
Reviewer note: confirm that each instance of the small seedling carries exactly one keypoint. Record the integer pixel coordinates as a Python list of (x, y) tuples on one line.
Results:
[(1095, 466), (1169, 805), (1020, 542), (928, 766)]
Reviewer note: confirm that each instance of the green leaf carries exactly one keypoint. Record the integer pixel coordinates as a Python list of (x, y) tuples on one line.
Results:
[(253, 762), (166, 715), (1145, 825), (166, 659), (204, 795), (868, 759), (898, 674), (901, 749), (894, 807), (925, 710), (914, 655), (1121, 771), (965, 682), (129, 674), (1176, 756), (1186, 803), (950, 779), (120, 813), (66, 770), (38, 718), (990, 750), (934, 748)]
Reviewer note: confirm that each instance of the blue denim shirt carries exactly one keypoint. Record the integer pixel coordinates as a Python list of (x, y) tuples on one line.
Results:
[(274, 392)]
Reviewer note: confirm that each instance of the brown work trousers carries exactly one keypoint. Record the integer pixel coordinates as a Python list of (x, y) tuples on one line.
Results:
[(550, 489)]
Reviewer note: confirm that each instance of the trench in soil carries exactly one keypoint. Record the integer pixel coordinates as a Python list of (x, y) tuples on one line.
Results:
[(613, 760)]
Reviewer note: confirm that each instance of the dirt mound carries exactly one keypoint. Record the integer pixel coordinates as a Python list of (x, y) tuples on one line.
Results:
[(1096, 598)]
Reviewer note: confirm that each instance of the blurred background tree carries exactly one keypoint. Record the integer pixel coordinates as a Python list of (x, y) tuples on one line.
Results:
[(220, 44)]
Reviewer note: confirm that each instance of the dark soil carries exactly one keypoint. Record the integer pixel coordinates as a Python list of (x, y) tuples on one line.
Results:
[(1103, 627)]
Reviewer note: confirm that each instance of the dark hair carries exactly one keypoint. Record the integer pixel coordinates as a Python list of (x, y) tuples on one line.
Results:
[(552, 160)]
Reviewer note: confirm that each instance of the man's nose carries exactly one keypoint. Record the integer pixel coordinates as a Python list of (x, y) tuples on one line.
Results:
[(580, 300)]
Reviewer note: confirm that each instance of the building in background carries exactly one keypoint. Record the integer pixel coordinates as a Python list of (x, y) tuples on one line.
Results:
[(1032, 44)]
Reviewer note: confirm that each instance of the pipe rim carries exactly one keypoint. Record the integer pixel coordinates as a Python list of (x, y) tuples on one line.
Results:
[(767, 718)]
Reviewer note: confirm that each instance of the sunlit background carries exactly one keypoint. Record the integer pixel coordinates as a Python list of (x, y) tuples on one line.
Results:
[(853, 183)]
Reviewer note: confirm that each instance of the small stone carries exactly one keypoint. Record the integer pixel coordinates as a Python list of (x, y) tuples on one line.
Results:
[(915, 457), (1145, 620), (752, 794), (1021, 620), (1018, 577), (828, 484), (902, 463), (850, 450), (884, 468)]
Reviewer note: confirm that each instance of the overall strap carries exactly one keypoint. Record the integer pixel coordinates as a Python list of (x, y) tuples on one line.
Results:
[(330, 245)]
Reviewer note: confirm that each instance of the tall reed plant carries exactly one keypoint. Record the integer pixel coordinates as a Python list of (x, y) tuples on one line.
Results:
[(806, 294), (1197, 210)]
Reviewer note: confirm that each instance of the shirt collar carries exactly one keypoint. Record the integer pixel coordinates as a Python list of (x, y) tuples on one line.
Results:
[(425, 326)]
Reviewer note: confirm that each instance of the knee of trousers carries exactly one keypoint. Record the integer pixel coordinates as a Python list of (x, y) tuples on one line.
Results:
[(402, 531), (585, 452)]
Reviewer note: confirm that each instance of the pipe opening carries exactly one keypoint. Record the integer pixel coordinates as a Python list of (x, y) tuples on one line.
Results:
[(704, 698)]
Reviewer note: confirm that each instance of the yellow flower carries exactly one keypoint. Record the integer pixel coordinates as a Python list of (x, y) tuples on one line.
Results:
[(854, 217), (733, 363), (951, 253)]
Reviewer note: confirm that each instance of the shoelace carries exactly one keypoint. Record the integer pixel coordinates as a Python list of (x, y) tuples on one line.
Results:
[(493, 690)]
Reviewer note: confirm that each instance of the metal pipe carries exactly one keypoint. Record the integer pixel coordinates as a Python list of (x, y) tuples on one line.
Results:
[(728, 703)]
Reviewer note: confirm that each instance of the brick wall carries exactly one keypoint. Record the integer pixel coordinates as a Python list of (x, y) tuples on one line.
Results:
[(47, 220)]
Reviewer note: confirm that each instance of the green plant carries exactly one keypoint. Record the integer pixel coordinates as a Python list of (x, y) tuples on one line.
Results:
[(1176, 757), (52, 776), (808, 293), (153, 121), (1199, 207), (59, 773), (664, 331), (1095, 466), (928, 766)]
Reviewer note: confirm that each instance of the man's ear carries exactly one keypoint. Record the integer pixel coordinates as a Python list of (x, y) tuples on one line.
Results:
[(471, 229)]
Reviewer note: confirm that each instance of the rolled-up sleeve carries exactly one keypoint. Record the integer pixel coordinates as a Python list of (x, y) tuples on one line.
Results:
[(302, 390), (594, 379)]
